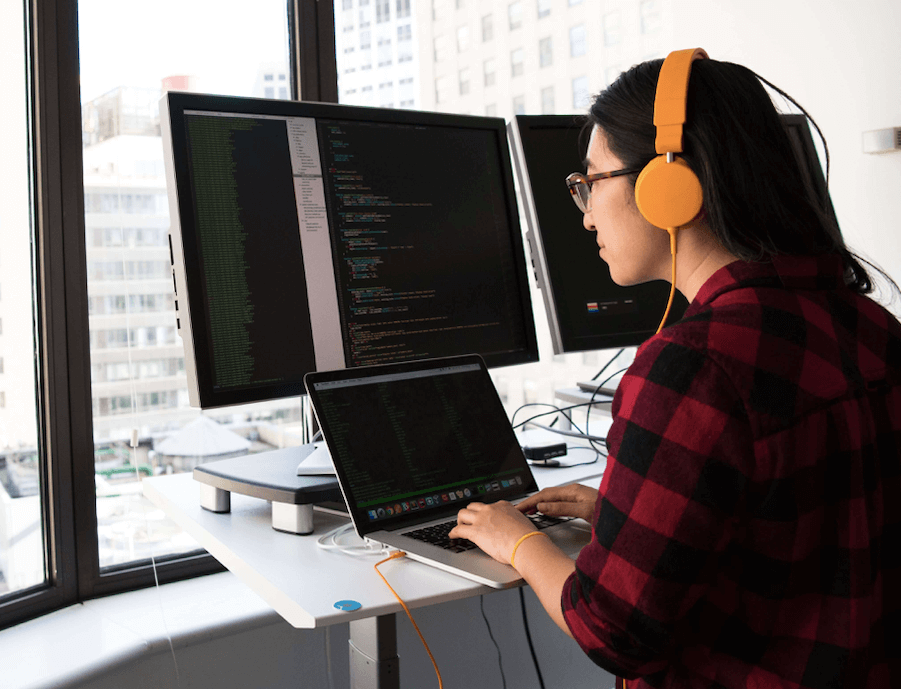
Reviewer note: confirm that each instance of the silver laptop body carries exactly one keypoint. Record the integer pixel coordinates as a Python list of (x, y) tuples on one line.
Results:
[(413, 443)]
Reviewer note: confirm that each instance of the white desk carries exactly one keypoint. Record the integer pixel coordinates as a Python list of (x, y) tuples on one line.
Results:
[(302, 581)]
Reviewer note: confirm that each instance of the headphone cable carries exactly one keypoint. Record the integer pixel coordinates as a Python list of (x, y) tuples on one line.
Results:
[(672, 292)]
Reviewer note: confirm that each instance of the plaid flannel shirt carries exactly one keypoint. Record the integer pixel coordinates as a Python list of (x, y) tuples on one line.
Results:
[(747, 531)]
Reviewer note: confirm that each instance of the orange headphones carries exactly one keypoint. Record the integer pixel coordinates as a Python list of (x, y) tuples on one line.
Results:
[(667, 192)]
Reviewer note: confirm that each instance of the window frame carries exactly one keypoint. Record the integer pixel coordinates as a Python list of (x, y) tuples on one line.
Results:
[(65, 417)]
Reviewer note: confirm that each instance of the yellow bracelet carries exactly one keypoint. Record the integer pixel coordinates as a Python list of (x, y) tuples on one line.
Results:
[(519, 542)]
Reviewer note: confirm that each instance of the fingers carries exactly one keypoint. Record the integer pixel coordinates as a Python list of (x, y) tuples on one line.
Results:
[(567, 493)]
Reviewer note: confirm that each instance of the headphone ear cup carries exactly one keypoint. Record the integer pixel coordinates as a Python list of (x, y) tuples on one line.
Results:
[(668, 195)]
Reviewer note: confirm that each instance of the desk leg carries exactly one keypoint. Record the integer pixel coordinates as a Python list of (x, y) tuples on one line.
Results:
[(373, 653)]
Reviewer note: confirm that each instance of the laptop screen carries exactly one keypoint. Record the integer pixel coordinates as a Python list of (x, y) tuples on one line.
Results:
[(417, 441)]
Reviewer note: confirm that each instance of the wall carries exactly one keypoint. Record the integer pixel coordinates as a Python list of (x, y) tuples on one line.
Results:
[(839, 59)]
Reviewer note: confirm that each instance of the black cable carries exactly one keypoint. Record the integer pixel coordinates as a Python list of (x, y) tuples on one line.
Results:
[(607, 365), (525, 624), (596, 391), (562, 411), (488, 624), (554, 410)]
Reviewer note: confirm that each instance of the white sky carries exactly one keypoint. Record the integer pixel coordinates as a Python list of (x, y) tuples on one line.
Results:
[(222, 44)]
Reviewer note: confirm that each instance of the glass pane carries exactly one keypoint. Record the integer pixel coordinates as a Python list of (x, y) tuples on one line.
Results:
[(22, 552), (500, 58), (129, 57)]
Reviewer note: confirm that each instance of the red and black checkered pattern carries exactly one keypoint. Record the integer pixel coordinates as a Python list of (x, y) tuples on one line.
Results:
[(748, 527)]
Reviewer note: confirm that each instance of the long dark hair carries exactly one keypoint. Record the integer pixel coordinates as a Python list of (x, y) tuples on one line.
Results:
[(757, 201)]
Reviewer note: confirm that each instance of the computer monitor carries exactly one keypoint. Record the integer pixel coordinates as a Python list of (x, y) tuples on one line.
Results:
[(312, 236), (586, 310)]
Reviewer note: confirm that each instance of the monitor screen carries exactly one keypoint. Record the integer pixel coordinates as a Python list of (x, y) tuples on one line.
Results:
[(312, 236), (586, 310)]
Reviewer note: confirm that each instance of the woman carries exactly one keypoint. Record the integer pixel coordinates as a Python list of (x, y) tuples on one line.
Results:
[(746, 529)]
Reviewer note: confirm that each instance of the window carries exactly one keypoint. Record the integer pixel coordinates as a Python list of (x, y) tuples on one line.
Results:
[(547, 100), (402, 9), (611, 24), (577, 42), (487, 28), (489, 72), (442, 50), (462, 38), (580, 93), (514, 14), (23, 557), (516, 62), (544, 8), (382, 11), (519, 105), (404, 33), (442, 90), (116, 109), (545, 52), (649, 11), (439, 10), (464, 81)]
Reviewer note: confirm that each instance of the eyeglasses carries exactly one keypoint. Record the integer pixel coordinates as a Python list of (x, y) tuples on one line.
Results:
[(579, 185)]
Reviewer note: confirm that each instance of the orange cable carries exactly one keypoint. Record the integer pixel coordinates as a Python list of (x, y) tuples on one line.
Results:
[(394, 556), (672, 291)]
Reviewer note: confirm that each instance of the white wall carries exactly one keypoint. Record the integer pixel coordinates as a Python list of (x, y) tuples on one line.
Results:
[(840, 59)]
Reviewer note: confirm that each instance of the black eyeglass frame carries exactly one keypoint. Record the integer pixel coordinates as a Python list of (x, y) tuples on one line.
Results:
[(579, 185)]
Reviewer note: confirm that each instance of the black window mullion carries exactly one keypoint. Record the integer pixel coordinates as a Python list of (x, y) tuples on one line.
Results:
[(312, 25)]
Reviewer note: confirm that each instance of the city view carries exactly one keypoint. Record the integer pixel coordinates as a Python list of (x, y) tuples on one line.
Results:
[(495, 58)]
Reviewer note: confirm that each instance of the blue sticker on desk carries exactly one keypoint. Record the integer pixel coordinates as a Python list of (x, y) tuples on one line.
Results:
[(348, 605)]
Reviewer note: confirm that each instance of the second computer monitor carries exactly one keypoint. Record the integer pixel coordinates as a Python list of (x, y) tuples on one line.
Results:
[(586, 309), (310, 236)]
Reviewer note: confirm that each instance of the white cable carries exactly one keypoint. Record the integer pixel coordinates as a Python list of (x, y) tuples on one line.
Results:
[(134, 461), (134, 443), (329, 541)]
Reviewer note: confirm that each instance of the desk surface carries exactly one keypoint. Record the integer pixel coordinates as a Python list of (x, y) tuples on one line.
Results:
[(302, 581)]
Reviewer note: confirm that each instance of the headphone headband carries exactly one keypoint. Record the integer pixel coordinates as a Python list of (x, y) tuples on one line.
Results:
[(672, 94)]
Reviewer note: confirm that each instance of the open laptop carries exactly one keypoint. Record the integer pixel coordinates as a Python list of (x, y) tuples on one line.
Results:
[(413, 443)]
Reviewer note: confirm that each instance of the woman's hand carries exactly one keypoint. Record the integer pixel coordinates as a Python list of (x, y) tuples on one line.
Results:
[(495, 528), (573, 500)]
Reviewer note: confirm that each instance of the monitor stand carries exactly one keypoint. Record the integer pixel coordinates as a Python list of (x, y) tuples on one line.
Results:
[(272, 476)]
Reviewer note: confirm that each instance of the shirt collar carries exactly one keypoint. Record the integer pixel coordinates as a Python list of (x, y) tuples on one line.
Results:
[(792, 272)]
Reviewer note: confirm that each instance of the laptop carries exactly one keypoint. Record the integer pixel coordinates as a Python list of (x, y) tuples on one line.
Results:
[(412, 444)]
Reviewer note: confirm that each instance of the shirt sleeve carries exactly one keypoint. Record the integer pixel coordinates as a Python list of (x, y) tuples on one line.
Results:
[(680, 452)]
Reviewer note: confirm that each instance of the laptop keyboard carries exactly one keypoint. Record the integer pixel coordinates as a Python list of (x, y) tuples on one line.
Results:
[(437, 533)]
